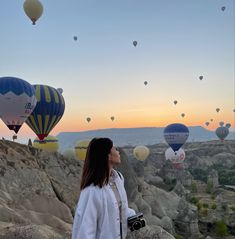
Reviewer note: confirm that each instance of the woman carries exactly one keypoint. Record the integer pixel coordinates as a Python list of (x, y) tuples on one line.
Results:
[(102, 209)]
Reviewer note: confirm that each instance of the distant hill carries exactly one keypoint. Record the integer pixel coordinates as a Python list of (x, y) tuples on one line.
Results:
[(134, 136)]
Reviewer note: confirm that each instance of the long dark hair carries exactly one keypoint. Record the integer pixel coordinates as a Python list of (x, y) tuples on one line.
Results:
[(96, 167)]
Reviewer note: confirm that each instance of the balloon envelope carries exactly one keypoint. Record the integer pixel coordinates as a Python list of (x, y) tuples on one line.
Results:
[(176, 135), (33, 9), (182, 115), (175, 102), (228, 125), (223, 8), (141, 152), (88, 119), (222, 132), (49, 143), (145, 82), (217, 109), (207, 123), (75, 38), (81, 149), (48, 111), (221, 123), (17, 101), (175, 157), (112, 118), (200, 77), (135, 43)]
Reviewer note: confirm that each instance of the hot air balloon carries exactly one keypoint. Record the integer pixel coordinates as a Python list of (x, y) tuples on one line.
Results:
[(60, 90), (217, 110), (211, 120), (207, 123), (17, 101), (75, 38), (234, 111), (81, 149), (49, 143), (228, 125), (48, 111), (88, 119), (14, 137), (141, 152), (200, 77), (135, 43), (223, 8), (175, 102), (221, 123), (146, 82), (175, 157), (176, 135), (69, 153), (222, 132), (112, 118), (182, 115), (33, 9)]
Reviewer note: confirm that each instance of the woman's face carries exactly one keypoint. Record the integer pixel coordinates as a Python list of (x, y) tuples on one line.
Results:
[(114, 156)]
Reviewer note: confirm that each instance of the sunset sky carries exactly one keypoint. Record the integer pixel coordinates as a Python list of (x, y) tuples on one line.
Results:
[(102, 73)]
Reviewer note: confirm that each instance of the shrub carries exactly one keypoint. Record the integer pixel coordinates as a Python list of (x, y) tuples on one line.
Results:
[(194, 187), (221, 229), (213, 206), (209, 186), (177, 236), (204, 212), (194, 200), (199, 206), (205, 205), (233, 208)]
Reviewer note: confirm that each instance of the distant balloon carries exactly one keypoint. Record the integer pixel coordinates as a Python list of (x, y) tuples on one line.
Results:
[(234, 111), (141, 152), (221, 123), (48, 111), (176, 135), (207, 123), (200, 77), (222, 132), (81, 149), (33, 9), (60, 90), (211, 120), (14, 137), (175, 157), (75, 38), (88, 119), (49, 143), (228, 125), (182, 115), (17, 101), (146, 82), (135, 43), (69, 153), (217, 110), (223, 8), (175, 102), (112, 118)]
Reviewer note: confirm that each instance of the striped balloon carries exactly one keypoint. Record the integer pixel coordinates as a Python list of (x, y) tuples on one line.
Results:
[(176, 135), (48, 111)]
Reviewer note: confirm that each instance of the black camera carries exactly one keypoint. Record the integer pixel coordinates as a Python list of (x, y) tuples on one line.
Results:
[(136, 222)]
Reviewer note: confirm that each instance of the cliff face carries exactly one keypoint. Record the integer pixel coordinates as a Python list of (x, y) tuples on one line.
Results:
[(39, 191)]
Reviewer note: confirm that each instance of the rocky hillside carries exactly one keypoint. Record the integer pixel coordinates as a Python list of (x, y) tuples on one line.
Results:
[(39, 191)]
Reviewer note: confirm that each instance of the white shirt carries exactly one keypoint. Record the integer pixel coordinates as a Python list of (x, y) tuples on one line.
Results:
[(97, 213)]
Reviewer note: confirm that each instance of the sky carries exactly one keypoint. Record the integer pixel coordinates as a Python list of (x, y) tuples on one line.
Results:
[(102, 74)]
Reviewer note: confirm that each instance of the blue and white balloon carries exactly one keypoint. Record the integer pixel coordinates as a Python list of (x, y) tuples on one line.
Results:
[(222, 132), (17, 101), (176, 135)]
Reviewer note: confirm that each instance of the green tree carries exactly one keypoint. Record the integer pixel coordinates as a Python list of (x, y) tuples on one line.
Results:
[(194, 187), (209, 186)]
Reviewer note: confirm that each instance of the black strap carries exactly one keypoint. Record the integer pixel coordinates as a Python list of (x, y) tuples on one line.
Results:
[(119, 174)]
